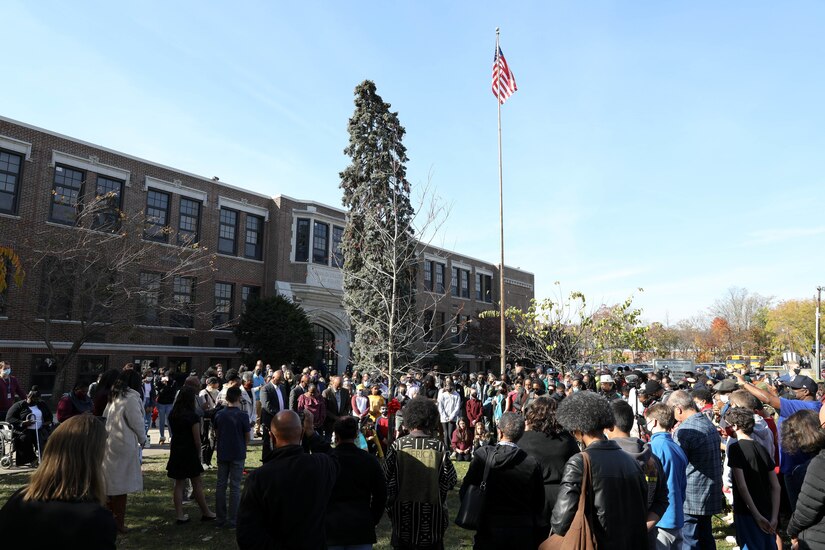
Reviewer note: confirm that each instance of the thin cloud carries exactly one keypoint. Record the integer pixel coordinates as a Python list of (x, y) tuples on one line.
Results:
[(778, 235)]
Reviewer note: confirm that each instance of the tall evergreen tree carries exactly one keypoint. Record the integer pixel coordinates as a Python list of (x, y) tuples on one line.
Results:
[(379, 243)]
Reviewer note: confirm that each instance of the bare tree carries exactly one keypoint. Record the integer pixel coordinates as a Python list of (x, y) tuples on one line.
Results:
[(739, 308), (100, 278)]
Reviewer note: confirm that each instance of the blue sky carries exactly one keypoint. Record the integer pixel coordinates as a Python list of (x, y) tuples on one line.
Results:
[(673, 146)]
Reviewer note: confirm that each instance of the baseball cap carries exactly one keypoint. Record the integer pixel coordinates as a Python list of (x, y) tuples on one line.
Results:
[(651, 387), (806, 382), (726, 385), (606, 379)]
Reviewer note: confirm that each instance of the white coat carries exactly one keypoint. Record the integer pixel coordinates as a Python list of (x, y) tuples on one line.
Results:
[(126, 434)]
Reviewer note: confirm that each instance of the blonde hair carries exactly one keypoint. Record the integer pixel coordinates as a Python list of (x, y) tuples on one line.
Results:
[(71, 467)]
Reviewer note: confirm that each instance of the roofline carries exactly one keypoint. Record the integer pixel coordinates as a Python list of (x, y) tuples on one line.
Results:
[(229, 186), (133, 157), (311, 202), (495, 265)]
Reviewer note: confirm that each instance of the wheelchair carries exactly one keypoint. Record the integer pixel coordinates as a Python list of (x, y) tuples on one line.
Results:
[(6, 445)]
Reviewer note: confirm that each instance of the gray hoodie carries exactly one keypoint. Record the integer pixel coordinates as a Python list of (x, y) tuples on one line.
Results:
[(657, 499)]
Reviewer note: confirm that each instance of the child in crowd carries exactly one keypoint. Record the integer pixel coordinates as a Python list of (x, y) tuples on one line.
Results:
[(755, 487), (232, 430), (462, 442), (481, 436)]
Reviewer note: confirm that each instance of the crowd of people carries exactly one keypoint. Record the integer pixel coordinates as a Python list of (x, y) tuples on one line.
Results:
[(651, 458)]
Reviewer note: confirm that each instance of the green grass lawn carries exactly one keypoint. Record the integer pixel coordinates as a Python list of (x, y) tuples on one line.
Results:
[(150, 514)]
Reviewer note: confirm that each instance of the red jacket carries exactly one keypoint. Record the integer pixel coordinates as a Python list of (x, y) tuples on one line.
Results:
[(8, 390), (474, 411), (462, 443)]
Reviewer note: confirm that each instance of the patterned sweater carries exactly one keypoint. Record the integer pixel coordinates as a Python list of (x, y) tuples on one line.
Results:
[(419, 476)]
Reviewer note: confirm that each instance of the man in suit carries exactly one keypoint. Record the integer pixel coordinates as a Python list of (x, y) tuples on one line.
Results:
[(338, 401), (274, 399), (284, 501), (298, 391)]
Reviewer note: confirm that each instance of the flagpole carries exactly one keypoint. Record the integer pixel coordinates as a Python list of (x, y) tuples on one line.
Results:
[(503, 355)]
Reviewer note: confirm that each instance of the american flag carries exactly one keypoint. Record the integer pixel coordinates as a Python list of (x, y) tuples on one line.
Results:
[(504, 83)]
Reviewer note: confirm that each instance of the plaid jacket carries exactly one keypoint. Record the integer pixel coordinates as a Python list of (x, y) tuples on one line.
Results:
[(700, 441)]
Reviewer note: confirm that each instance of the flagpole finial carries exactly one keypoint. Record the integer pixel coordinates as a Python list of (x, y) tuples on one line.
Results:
[(497, 30)]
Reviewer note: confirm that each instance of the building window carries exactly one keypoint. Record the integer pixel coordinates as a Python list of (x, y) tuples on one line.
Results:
[(189, 221), (302, 240), (337, 252), (459, 334), (441, 324), (454, 282), (56, 289), (11, 166), (254, 248), (223, 304), (320, 240), (440, 275), (66, 192), (149, 298), (108, 194), (144, 363), (43, 373), (428, 275), (249, 293), (183, 302), (227, 232), (484, 288), (181, 365), (89, 367), (460, 283), (325, 349), (157, 216)]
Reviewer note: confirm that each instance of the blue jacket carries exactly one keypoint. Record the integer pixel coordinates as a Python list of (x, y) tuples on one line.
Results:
[(674, 462)]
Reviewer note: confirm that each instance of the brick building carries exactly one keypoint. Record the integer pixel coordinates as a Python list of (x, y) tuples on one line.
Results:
[(263, 245)]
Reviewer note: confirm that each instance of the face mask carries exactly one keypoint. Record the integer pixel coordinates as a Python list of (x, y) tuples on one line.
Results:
[(7, 372), (724, 398), (575, 389)]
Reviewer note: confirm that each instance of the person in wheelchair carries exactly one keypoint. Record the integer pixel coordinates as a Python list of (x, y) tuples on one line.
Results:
[(31, 419)]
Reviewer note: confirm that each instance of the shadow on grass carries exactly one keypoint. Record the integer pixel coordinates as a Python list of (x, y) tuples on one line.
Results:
[(150, 515)]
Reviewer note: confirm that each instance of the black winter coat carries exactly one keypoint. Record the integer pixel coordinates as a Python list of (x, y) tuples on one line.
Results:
[(552, 453), (619, 497), (808, 520), (358, 500), (284, 502), (513, 501)]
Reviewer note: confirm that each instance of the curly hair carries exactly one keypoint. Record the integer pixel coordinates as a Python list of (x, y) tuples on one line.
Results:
[(585, 412), (541, 416), (740, 417), (801, 432), (421, 414)]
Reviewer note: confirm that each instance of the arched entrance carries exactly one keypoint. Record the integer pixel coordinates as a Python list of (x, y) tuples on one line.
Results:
[(325, 352)]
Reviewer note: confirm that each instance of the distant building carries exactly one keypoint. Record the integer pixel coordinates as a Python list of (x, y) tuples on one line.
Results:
[(264, 245)]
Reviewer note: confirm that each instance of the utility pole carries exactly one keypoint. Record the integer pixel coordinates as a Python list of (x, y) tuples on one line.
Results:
[(818, 368)]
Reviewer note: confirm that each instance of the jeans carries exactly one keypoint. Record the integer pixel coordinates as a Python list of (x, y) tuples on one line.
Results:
[(749, 536), (147, 416), (697, 534), (163, 413), (231, 471), (665, 539)]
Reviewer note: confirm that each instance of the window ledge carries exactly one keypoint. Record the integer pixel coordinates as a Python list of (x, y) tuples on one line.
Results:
[(4, 317), (10, 216), (222, 255)]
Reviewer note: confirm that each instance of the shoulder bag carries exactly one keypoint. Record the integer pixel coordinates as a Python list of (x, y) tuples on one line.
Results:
[(579, 536), (472, 505)]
